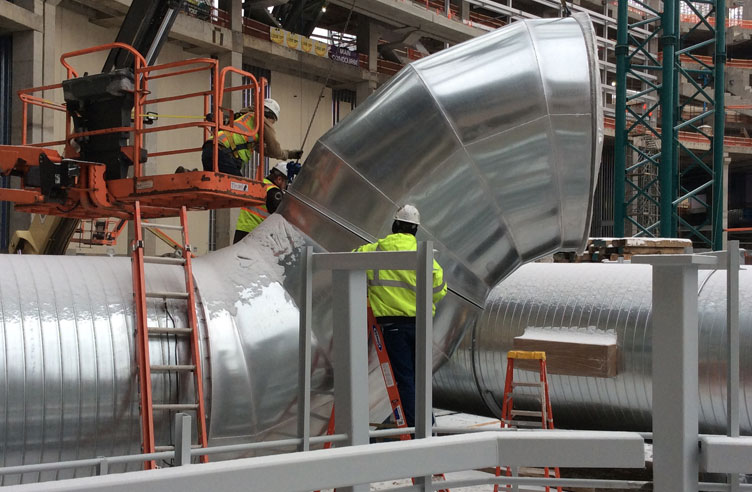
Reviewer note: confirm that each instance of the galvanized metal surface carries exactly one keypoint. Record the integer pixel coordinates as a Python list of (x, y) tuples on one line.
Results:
[(67, 367), (496, 140), (582, 299)]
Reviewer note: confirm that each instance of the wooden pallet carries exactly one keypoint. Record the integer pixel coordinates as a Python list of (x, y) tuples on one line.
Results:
[(613, 249)]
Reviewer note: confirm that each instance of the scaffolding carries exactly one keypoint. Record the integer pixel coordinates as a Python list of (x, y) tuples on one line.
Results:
[(702, 173)]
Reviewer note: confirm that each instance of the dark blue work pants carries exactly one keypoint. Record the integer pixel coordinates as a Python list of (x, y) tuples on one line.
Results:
[(226, 162), (399, 339)]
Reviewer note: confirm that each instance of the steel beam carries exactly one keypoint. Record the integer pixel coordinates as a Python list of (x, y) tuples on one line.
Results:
[(669, 42), (620, 131), (719, 123)]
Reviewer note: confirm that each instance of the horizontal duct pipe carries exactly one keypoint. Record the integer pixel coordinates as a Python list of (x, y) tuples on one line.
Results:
[(589, 307)]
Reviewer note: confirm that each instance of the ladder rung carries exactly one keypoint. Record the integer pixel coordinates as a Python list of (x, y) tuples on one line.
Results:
[(527, 413), (158, 330), (173, 367), (529, 385), (164, 260), (523, 423), (168, 295), (161, 226), (175, 406)]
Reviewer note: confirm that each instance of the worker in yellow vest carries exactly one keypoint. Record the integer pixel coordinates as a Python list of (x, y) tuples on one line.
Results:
[(391, 294), (250, 217), (235, 150)]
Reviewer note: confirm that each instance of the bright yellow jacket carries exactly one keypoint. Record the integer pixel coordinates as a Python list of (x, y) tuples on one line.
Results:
[(392, 292), (251, 217)]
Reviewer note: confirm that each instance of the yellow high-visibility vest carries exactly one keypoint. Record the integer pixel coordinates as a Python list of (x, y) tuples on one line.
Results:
[(240, 145), (392, 292), (251, 217)]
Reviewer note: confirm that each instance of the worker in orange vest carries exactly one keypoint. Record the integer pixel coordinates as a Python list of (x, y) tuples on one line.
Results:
[(235, 150), (250, 217)]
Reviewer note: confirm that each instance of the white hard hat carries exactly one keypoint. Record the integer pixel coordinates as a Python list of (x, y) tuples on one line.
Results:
[(408, 213), (282, 168), (273, 106)]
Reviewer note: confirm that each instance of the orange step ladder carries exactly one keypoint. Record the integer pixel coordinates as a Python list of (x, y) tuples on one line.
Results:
[(145, 333), (509, 414), (398, 414)]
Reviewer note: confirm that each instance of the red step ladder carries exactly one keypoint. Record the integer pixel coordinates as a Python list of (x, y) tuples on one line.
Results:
[(144, 333), (509, 414), (398, 414)]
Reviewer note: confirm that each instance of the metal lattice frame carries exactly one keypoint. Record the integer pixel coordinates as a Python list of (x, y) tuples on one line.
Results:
[(636, 187)]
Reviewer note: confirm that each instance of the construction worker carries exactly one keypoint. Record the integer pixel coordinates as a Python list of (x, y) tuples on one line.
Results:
[(391, 294), (250, 217), (235, 150)]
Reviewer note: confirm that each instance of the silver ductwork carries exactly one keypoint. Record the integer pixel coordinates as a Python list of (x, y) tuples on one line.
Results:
[(496, 140), (573, 300)]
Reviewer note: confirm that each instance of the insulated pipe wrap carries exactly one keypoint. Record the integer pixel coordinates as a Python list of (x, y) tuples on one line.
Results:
[(581, 299)]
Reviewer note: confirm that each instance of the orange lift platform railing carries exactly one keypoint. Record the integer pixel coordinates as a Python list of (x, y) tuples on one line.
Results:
[(61, 183)]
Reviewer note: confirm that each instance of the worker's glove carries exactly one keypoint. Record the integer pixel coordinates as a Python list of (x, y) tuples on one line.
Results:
[(295, 154)]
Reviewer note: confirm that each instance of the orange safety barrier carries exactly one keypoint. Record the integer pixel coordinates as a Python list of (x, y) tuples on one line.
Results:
[(708, 60), (694, 19)]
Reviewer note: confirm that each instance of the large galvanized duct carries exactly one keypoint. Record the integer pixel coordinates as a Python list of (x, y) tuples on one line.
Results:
[(497, 141), (576, 300)]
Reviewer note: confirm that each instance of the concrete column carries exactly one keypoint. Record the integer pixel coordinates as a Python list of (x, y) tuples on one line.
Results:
[(27, 72), (747, 12), (363, 90), (465, 10), (368, 42), (50, 63), (224, 228)]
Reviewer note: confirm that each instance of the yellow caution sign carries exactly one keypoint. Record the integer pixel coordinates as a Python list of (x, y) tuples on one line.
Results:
[(277, 35)]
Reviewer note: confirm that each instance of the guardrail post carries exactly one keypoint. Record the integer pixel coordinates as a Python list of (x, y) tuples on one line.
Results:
[(675, 378), (103, 468), (182, 439), (304, 351), (350, 359), (424, 347), (732, 347)]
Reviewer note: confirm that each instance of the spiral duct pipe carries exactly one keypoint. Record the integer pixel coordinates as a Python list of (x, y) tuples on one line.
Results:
[(573, 300), (496, 140)]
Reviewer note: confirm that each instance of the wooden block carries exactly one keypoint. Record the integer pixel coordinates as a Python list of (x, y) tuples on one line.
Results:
[(585, 355), (652, 242), (647, 250)]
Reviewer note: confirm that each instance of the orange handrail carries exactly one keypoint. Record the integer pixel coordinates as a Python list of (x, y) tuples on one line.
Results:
[(141, 98), (136, 55), (258, 128)]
